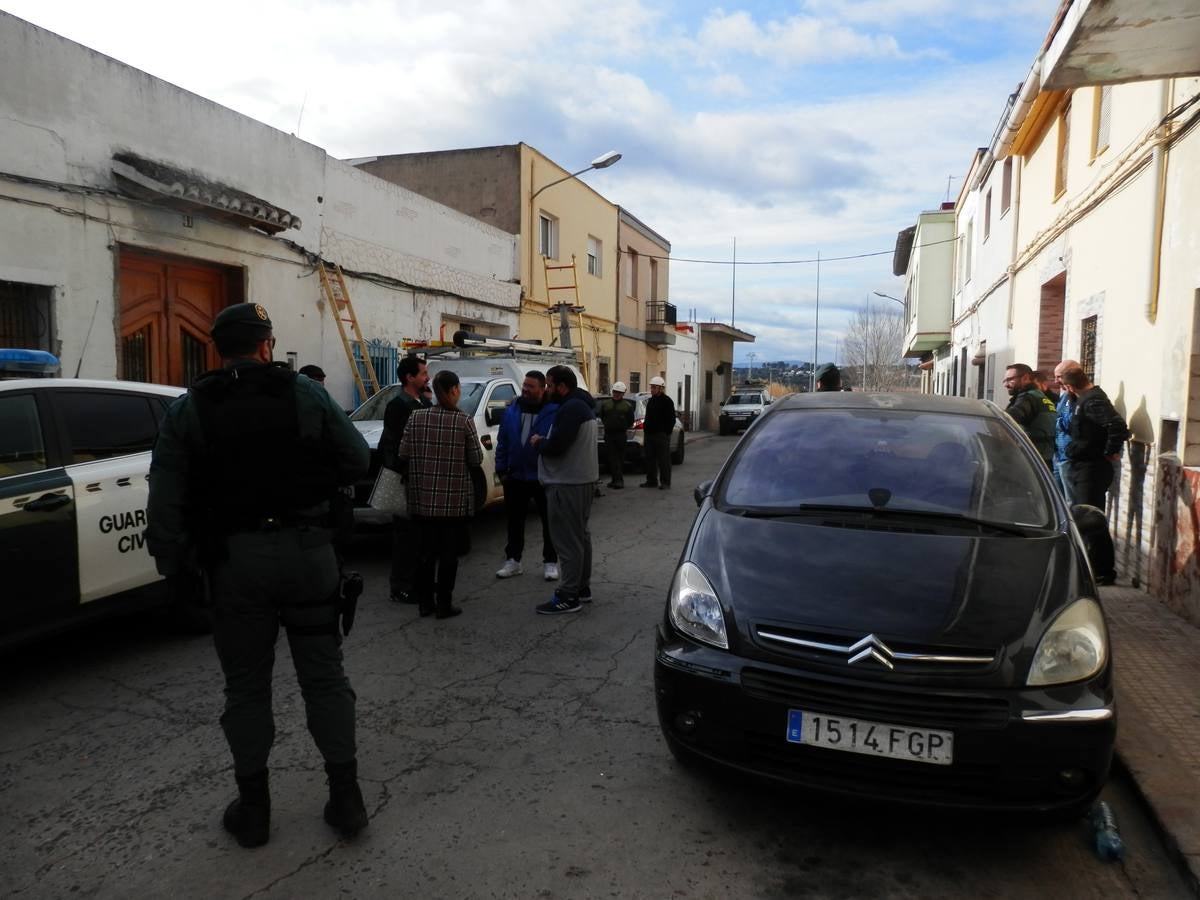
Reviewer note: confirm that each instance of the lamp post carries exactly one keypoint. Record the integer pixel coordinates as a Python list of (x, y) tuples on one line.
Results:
[(751, 357), (890, 297)]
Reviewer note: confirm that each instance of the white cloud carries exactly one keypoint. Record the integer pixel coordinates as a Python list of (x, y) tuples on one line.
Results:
[(796, 40)]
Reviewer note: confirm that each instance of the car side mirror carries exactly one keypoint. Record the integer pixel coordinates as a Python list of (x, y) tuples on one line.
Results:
[(703, 489), (493, 415)]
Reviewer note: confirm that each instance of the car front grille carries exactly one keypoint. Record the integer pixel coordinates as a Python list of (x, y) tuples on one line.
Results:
[(877, 703)]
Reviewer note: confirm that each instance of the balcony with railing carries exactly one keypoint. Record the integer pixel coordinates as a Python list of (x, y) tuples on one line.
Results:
[(661, 318)]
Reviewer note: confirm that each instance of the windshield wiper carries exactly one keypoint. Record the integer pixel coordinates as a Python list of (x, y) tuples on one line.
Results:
[(960, 519), (778, 512)]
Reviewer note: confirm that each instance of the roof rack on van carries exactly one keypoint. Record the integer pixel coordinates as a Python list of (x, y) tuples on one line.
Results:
[(467, 343)]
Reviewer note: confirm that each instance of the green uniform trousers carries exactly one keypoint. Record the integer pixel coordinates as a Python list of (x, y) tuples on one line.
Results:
[(287, 576)]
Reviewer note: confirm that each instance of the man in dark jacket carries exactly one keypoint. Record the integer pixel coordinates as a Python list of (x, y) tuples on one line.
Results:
[(616, 418), (657, 427), (240, 481), (517, 467), (1098, 434), (1031, 409), (568, 469), (413, 375)]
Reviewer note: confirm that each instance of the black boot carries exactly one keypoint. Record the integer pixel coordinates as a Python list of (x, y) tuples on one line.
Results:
[(345, 810), (248, 818), (446, 609)]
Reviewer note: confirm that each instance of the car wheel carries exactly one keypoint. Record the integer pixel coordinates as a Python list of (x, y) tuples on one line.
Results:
[(677, 456)]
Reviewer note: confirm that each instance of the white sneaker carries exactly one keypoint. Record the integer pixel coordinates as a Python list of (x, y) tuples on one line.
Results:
[(550, 571), (510, 568)]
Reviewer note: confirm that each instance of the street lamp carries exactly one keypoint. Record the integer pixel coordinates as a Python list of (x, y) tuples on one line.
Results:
[(751, 357), (889, 297)]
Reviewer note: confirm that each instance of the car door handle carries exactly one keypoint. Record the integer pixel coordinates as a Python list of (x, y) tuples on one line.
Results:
[(486, 440), (47, 502)]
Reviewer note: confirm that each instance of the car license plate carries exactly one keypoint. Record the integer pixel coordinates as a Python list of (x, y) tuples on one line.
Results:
[(871, 738)]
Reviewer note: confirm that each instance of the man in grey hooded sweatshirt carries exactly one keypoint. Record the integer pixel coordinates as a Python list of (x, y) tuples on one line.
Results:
[(568, 468)]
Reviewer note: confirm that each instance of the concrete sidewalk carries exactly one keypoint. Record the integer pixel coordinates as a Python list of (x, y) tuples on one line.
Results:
[(1157, 658)]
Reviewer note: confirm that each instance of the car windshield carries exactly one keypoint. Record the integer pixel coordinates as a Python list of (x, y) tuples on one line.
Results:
[(901, 461), (737, 399), (472, 392)]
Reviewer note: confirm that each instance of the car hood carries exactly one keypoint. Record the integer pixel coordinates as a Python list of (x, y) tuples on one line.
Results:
[(371, 430), (948, 589)]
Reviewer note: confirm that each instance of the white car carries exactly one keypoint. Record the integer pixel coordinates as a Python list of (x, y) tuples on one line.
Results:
[(74, 461)]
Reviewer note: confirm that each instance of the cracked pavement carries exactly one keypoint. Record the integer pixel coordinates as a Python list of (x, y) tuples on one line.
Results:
[(502, 754)]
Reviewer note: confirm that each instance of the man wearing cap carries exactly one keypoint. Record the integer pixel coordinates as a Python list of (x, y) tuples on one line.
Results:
[(829, 377), (616, 418), (240, 482), (657, 427)]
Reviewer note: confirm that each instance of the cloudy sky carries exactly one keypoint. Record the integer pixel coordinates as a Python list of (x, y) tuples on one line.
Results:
[(798, 128)]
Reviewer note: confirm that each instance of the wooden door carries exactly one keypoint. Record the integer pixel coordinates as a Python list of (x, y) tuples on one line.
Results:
[(167, 308)]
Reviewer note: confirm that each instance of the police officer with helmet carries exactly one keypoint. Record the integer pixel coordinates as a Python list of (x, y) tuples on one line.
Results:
[(240, 482)]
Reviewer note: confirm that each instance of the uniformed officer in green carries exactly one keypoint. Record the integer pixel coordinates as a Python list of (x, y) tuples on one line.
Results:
[(1031, 409), (616, 417), (240, 482)]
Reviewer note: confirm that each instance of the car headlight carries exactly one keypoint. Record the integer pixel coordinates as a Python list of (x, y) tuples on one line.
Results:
[(695, 609), (1074, 647)]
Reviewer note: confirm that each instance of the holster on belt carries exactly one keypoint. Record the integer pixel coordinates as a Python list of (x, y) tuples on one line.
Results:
[(352, 587)]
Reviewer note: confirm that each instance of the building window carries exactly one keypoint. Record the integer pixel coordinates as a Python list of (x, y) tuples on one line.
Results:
[(635, 382), (1101, 116), (708, 380), (1006, 186), (653, 280), (631, 285), (990, 376), (25, 316), (603, 365), (987, 215), (548, 235), (595, 251), (967, 254), (1087, 346), (1064, 140)]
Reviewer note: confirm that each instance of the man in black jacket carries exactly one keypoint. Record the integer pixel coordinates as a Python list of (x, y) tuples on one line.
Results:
[(657, 427), (413, 376), (1097, 433)]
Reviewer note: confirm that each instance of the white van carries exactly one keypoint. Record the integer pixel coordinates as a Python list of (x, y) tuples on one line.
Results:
[(491, 373)]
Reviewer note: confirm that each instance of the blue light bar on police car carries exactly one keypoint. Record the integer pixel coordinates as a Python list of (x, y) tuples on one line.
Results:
[(28, 364)]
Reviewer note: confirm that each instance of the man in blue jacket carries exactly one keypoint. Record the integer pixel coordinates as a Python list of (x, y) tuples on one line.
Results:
[(517, 467), (568, 468)]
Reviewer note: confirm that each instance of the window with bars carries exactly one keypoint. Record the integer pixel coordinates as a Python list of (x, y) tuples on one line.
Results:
[(1087, 346), (1101, 117), (635, 382), (25, 320)]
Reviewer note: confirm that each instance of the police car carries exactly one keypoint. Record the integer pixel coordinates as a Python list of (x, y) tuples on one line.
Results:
[(74, 460)]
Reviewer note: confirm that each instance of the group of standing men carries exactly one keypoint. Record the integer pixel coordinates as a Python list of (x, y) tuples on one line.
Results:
[(1080, 436)]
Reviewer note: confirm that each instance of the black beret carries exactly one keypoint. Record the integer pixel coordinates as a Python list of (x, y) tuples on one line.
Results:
[(248, 317), (828, 371)]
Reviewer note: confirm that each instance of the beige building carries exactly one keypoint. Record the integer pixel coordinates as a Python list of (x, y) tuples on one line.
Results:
[(1104, 258), (716, 369), (646, 320), (568, 254)]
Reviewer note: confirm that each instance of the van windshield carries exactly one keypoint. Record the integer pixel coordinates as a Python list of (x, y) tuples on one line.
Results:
[(743, 399)]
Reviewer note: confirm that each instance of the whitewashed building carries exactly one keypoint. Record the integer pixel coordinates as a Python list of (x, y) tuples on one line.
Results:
[(682, 360), (132, 211)]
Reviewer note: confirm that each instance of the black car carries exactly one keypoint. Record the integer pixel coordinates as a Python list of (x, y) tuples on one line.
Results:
[(883, 595)]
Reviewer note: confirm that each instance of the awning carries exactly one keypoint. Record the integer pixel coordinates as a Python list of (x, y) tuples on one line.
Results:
[(190, 193)]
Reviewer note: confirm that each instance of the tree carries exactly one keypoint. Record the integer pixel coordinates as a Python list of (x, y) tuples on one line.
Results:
[(874, 345)]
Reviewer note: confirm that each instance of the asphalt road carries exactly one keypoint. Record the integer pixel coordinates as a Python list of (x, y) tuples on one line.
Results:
[(503, 754)]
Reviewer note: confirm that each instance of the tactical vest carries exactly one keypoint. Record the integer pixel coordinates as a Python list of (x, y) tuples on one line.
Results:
[(255, 464), (1042, 427)]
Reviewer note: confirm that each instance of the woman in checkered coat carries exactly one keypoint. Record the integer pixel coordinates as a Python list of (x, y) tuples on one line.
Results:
[(440, 444)]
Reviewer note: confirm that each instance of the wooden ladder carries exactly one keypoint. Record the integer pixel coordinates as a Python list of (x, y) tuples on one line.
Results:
[(333, 284), (573, 300)]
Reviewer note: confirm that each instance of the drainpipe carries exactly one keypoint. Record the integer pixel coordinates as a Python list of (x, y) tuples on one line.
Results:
[(1158, 180)]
